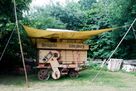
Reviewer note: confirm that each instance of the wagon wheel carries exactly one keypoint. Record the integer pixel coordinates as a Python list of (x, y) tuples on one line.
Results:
[(43, 74), (56, 75), (73, 74)]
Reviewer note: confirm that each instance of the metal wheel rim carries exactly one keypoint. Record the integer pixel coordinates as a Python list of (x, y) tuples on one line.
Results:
[(43, 74)]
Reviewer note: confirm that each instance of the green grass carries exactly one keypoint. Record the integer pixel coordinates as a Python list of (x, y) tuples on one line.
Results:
[(17, 80), (129, 73), (105, 78)]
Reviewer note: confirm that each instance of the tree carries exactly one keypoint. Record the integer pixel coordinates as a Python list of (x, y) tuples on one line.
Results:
[(101, 17), (86, 4), (70, 15), (124, 14), (7, 23), (41, 19)]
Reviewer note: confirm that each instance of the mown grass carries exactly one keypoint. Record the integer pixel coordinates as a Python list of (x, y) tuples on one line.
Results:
[(85, 78), (129, 73)]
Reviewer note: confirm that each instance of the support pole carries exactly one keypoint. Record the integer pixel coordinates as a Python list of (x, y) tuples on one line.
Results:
[(20, 44)]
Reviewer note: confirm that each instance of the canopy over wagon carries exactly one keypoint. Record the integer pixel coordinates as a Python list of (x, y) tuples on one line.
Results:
[(63, 34)]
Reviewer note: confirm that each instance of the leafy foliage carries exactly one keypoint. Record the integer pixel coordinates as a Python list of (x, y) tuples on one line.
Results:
[(71, 15), (41, 19), (7, 23), (92, 15), (82, 15)]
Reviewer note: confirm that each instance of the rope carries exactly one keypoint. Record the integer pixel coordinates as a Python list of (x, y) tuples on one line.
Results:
[(7, 44), (20, 44), (114, 50), (134, 32)]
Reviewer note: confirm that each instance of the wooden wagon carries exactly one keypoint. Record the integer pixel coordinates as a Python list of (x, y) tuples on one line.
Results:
[(60, 52)]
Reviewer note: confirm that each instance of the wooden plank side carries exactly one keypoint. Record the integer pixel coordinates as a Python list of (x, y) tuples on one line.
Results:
[(70, 46), (66, 56)]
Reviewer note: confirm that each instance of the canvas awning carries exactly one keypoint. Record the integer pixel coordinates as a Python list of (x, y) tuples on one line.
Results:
[(83, 35)]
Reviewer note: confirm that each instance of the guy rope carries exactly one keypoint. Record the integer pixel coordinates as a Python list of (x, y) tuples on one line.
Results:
[(131, 26)]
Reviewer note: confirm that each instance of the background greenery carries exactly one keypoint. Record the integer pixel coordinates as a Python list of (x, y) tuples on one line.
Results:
[(82, 15)]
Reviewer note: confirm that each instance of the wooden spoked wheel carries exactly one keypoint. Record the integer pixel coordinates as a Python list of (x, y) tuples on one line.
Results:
[(43, 74), (73, 74)]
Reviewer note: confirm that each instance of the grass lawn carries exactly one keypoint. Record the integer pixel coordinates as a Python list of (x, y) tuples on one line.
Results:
[(106, 81)]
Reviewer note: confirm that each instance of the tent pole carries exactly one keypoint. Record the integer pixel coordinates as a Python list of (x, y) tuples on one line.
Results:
[(20, 44)]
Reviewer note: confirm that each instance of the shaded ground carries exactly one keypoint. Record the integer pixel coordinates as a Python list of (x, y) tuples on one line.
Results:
[(107, 81)]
